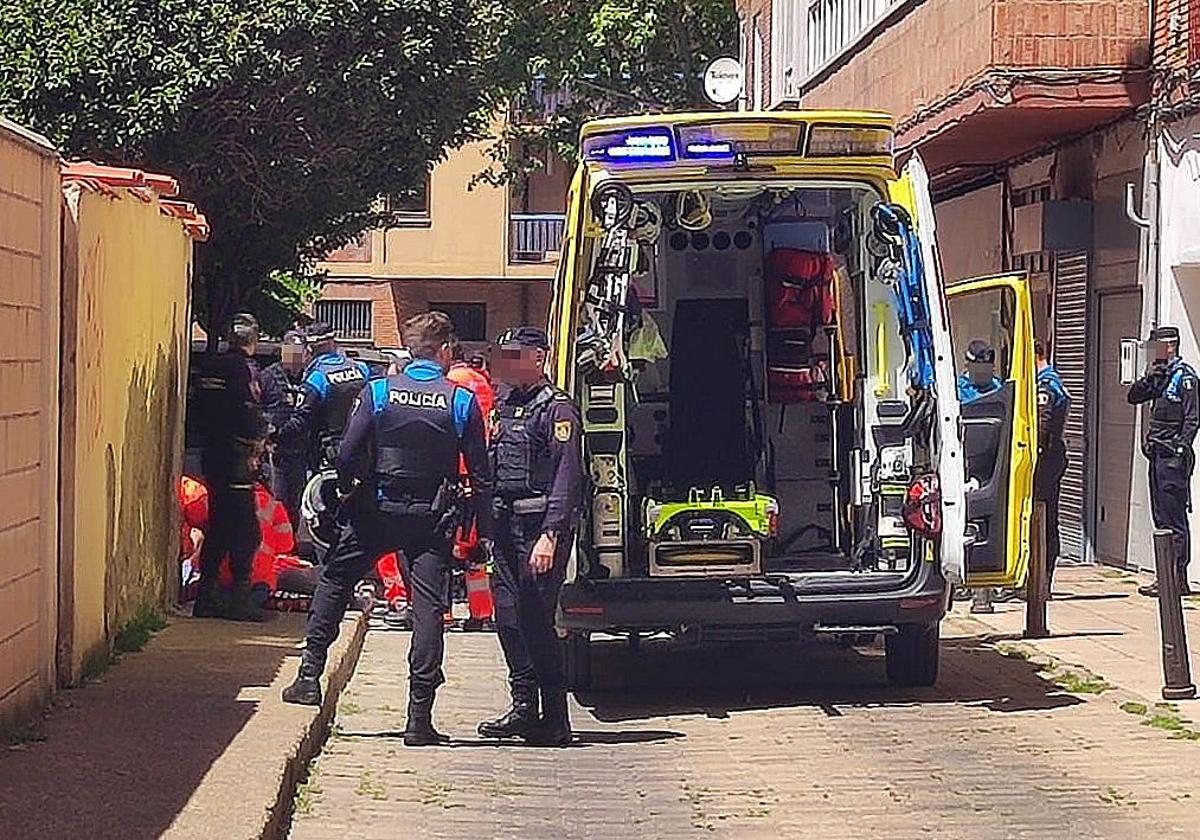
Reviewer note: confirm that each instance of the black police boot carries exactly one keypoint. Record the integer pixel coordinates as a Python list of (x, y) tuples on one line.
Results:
[(306, 690), (242, 606), (555, 727), (209, 603), (419, 731), (1150, 590), (520, 721)]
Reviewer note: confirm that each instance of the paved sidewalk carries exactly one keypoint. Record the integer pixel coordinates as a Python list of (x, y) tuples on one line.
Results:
[(1099, 621), (745, 742), (186, 739)]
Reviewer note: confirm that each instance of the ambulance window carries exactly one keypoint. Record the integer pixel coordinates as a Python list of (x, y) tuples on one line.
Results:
[(988, 315)]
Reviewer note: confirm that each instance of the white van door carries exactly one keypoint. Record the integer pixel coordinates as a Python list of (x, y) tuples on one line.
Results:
[(912, 193)]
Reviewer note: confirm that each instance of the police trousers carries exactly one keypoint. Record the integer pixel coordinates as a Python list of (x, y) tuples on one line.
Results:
[(525, 605), (1047, 487), (1171, 502), (289, 474), (233, 527), (365, 533)]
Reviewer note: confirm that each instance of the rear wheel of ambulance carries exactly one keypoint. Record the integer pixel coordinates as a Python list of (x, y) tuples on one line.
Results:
[(577, 661), (912, 655)]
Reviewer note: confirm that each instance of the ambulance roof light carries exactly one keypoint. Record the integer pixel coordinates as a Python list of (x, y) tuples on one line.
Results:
[(632, 146), (849, 140)]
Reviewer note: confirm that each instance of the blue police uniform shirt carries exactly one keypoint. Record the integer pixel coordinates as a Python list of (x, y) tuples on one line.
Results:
[(327, 370), (969, 390), (1049, 381), (1178, 371)]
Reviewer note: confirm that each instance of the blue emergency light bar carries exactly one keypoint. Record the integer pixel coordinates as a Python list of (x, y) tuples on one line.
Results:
[(726, 139)]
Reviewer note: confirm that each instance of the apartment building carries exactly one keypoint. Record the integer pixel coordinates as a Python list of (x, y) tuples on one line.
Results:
[(1027, 114), (485, 255)]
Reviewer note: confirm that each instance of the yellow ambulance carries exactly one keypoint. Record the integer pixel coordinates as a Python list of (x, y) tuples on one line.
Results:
[(793, 428)]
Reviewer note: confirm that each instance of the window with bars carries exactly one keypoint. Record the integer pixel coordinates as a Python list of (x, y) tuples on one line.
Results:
[(833, 25), (350, 319), (469, 319)]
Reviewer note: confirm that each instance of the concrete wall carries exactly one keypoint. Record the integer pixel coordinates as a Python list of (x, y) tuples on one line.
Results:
[(969, 233), (126, 283), (29, 317)]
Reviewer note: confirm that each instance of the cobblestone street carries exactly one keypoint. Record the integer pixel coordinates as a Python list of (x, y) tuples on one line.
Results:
[(738, 742)]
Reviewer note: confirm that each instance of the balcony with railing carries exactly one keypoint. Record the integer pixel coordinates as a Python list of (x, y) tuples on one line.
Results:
[(535, 237), (538, 105)]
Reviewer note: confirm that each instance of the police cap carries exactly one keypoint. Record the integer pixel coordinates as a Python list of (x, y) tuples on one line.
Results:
[(244, 327), (1165, 334), (526, 338), (979, 351), (319, 331)]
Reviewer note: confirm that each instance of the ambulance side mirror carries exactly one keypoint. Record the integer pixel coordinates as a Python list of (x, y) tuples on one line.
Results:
[(1129, 360)]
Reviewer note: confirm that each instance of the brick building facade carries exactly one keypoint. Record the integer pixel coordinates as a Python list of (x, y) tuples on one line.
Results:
[(1028, 114), (484, 254)]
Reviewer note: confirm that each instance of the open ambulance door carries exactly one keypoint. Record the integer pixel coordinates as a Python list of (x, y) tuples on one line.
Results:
[(999, 427), (911, 191)]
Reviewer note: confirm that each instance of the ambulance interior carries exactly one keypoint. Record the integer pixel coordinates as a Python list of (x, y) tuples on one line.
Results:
[(766, 359)]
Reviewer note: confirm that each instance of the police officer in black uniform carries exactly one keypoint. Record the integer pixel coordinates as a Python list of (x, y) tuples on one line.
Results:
[(235, 429), (1171, 384), (282, 393), (539, 485), (401, 447), (332, 382), (1053, 403)]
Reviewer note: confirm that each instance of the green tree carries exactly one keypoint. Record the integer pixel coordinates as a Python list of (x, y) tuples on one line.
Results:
[(282, 119), (604, 58)]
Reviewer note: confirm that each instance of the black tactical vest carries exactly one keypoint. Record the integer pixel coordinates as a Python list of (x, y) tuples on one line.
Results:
[(346, 380), (521, 449), (416, 437)]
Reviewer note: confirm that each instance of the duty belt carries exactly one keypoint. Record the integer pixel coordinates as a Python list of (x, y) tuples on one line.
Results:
[(524, 506)]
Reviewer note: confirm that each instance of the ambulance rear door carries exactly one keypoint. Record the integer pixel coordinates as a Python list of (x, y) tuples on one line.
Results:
[(999, 426), (911, 191)]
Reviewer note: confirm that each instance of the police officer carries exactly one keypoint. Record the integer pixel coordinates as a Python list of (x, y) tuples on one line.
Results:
[(979, 380), (539, 484), (235, 428), (331, 384), (282, 393), (1053, 403), (1171, 384), (402, 445)]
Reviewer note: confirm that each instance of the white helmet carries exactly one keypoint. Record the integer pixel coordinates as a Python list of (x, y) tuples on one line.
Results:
[(315, 507)]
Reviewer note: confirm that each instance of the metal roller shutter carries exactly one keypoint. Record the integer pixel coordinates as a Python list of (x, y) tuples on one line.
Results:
[(1070, 344)]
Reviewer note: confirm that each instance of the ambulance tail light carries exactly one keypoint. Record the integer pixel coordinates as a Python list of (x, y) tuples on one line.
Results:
[(772, 519), (849, 141), (923, 506)]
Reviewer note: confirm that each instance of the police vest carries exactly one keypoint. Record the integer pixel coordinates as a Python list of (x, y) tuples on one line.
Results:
[(521, 450), (1053, 400), (1166, 415), (418, 425), (338, 382)]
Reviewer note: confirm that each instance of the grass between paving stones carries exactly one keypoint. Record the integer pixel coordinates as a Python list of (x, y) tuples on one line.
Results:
[(304, 803), (369, 785), (1164, 716), (1074, 679)]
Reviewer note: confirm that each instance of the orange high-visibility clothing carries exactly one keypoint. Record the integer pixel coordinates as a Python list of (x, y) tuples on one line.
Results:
[(277, 538), (479, 593), (394, 589)]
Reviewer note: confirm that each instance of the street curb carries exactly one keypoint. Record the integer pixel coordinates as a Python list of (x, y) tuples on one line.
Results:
[(316, 733)]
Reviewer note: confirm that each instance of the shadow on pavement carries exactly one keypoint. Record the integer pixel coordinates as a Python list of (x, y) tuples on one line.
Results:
[(666, 678), (121, 756)]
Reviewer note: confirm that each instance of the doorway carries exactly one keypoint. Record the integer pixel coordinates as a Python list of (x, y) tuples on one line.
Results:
[(1119, 317)]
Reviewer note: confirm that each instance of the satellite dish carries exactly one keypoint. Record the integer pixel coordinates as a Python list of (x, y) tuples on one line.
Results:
[(724, 80)]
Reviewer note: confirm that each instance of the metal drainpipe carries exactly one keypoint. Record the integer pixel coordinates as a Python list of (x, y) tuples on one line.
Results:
[(1149, 222)]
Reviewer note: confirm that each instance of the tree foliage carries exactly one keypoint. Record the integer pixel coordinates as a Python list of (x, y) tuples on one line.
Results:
[(587, 59), (282, 119)]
